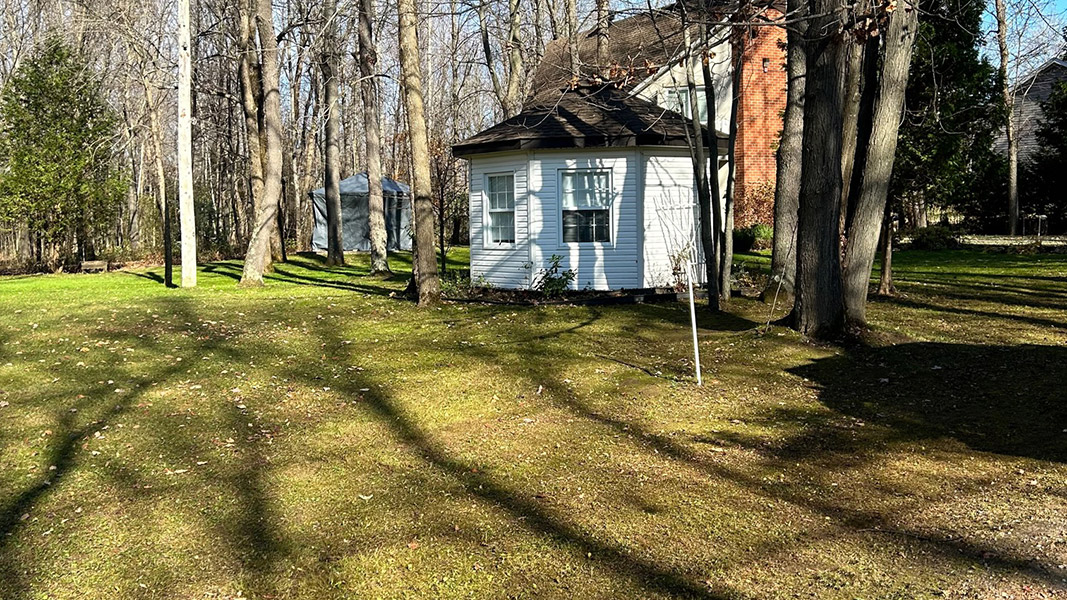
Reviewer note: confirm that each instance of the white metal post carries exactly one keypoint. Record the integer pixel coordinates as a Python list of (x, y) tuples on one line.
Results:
[(693, 321)]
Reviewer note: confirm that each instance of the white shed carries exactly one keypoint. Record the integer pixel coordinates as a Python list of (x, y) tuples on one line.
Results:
[(596, 169), (614, 197)]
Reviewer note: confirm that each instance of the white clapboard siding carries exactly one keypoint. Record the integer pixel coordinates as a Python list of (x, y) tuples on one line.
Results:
[(671, 217), (652, 216), (499, 267), (598, 266)]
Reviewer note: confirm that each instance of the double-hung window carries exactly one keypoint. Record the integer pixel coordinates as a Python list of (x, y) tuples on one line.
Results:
[(586, 205), (500, 196), (677, 99)]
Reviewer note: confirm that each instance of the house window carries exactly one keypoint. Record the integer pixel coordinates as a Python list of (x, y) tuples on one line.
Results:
[(500, 192), (586, 205), (677, 99)]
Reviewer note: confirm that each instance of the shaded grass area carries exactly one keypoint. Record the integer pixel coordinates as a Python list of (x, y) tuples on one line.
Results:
[(322, 437)]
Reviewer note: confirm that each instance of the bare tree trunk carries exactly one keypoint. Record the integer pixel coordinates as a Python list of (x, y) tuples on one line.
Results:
[(885, 284), (487, 51), (572, 35), (850, 125), (709, 208), (870, 208), (161, 183), (257, 257), (335, 253), (790, 153), (424, 262), (515, 68), (186, 208), (602, 52), (818, 309), (726, 245), (251, 97), (368, 57), (1009, 126)]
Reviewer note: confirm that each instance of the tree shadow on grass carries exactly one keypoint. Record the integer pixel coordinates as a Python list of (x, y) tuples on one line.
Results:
[(1003, 399), (523, 509), (96, 410), (284, 274), (970, 312), (823, 444)]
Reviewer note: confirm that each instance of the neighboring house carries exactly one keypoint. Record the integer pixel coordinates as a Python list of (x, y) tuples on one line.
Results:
[(599, 172), (1029, 93)]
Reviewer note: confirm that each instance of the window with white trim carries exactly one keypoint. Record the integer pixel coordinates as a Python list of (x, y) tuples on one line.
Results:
[(677, 99), (500, 208), (585, 199)]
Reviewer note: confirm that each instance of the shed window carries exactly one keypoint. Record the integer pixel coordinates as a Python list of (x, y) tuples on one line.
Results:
[(677, 99), (586, 204), (500, 192)]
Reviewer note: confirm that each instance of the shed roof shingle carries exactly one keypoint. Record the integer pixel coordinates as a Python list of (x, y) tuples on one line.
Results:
[(601, 116)]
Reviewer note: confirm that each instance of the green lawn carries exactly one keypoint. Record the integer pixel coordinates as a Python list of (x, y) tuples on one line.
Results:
[(322, 437)]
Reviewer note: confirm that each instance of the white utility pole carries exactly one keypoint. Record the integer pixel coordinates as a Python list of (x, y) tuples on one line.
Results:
[(185, 147)]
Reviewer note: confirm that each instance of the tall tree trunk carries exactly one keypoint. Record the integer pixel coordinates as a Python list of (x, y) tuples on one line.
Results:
[(790, 153), (726, 245), (707, 184), (602, 50), (870, 63), (186, 208), (870, 208), (335, 253), (885, 284), (368, 57), (251, 94), (1009, 126), (161, 182), (487, 51), (258, 255), (850, 124), (515, 68), (424, 262), (572, 35), (818, 310)]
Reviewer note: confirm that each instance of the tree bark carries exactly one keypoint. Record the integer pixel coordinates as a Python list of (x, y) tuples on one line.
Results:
[(186, 208), (515, 68), (790, 153), (1009, 125), (850, 123), (258, 255), (885, 284), (424, 262), (335, 253), (869, 212), (572, 35), (368, 57), (487, 51), (602, 50), (818, 309), (707, 184), (161, 182), (726, 243)]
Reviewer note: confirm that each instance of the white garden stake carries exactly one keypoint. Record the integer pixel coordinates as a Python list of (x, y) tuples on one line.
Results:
[(693, 320)]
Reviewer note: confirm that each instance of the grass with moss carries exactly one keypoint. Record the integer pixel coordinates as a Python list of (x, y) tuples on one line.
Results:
[(323, 437)]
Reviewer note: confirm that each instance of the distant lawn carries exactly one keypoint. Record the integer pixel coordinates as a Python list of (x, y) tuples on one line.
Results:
[(323, 437)]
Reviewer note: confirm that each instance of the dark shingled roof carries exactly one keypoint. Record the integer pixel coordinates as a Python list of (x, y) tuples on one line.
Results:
[(641, 44), (638, 47), (584, 117)]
